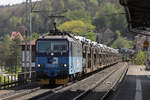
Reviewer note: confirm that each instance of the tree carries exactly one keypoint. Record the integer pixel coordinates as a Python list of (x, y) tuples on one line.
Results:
[(15, 21), (14, 57), (10, 53), (94, 2), (122, 43), (4, 50), (109, 17), (35, 36), (82, 15), (118, 33), (75, 4), (78, 27), (36, 22), (140, 58)]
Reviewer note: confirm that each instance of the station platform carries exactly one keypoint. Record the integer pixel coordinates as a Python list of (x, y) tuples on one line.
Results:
[(135, 86)]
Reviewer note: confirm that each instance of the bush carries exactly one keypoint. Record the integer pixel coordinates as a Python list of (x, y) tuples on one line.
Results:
[(2, 79), (120, 42), (140, 58)]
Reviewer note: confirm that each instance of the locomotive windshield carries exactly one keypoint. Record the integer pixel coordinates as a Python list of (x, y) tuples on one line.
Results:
[(60, 46), (52, 46), (43, 46)]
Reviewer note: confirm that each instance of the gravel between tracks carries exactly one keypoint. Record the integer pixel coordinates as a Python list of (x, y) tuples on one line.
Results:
[(99, 92), (33, 94), (17, 90)]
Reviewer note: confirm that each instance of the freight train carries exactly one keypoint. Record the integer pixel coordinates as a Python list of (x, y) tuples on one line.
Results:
[(62, 57), (127, 54)]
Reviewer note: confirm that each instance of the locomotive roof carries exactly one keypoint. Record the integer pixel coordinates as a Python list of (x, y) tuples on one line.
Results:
[(57, 37)]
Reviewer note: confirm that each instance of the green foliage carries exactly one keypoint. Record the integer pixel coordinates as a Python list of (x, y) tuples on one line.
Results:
[(10, 52), (94, 2), (140, 58), (78, 27), (122, 43), (35, 36), (36, 22), (102, 14), (2, 79), (15, 21), (75, 4), (78, 15), (4, 49), (109, 17), (118, 33), (15, 53), (7, 79)]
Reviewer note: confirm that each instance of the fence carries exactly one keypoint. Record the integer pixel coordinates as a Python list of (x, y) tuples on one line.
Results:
[(16, 80)]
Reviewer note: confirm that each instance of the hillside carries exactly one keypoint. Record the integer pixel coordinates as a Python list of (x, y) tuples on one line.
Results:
[(96, 12)]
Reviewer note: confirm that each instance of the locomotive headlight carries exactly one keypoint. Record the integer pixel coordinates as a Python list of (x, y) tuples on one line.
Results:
[(39, 65), (65, 65), (52, 54)]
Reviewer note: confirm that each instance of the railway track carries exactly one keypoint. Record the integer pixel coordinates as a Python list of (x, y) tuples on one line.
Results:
[(16, 91), (72, 91), (115, 83), (35, 93), (103, 88), (81, 88)]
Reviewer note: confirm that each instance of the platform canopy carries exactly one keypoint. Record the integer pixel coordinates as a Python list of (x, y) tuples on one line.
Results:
[(138, 13)]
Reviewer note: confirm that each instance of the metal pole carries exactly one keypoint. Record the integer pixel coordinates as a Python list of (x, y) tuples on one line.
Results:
[(30, 64), (25, 35)]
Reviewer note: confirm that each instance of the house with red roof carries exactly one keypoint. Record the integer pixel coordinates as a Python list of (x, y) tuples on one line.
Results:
[(16, 34), (27, 61)]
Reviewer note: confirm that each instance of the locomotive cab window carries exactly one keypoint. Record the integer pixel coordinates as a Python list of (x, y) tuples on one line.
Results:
[(43, 46), (60, 46), (52, 46)]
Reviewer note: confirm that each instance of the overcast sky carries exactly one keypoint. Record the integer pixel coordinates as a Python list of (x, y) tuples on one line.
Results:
[(6, 2)]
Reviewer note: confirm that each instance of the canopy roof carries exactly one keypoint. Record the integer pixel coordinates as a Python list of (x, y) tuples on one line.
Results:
[(138, 13)]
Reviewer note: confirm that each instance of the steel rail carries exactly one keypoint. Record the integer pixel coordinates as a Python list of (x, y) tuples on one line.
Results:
[(64, 89), (18, 89), (17, 95), (49, 93), (115, 84), (83, 94), (50, 96)]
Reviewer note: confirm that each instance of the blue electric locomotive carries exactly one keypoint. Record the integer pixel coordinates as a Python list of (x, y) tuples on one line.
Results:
[(57, 58)]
